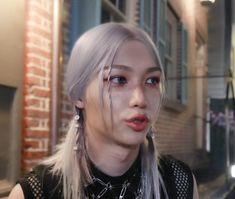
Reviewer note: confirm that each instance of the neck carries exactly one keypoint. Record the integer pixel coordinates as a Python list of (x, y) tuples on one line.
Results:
[(113, 160)]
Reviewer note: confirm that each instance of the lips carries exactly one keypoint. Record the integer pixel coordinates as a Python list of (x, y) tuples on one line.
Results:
[(138, 122)]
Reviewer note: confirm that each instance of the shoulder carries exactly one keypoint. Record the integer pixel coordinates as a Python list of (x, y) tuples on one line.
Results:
[(168, 162), (16, 193), (177, 176), (51, 183), (40, 181)]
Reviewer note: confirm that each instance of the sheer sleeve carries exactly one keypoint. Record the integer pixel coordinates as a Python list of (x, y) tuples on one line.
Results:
[(31, 186)]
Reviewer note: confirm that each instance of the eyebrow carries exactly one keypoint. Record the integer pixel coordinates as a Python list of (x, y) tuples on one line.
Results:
[(129, 69)]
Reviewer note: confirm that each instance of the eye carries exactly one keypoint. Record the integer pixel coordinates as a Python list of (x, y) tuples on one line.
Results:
[(118, 80), (153, 81)]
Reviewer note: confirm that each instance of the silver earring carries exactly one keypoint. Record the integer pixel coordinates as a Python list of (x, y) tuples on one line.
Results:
[(150, 133), (76, 119)]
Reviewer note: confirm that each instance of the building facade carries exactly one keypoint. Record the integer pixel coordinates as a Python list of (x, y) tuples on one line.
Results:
[(221, 67), (38, 108)]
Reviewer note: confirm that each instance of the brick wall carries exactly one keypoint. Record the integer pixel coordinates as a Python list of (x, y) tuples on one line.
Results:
[(37, 81), (176, 134)]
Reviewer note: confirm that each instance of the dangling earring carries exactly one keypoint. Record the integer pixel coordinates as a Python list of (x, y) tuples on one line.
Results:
[(78, 116), (150, 134), (77, 125), (76, 119)]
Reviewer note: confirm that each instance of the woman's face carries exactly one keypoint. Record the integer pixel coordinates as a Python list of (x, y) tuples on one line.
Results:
[(132, 90)]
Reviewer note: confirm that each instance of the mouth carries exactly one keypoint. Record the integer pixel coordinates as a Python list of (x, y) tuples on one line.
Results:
[(138, 122)]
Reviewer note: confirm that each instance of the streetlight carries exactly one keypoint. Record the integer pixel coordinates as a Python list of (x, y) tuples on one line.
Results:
[(232, 171)]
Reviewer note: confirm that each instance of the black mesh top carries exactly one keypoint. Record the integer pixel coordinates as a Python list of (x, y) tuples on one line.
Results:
[(177, 176)]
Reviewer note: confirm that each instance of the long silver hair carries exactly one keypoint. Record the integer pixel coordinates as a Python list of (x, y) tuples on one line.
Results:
[(93, 50)]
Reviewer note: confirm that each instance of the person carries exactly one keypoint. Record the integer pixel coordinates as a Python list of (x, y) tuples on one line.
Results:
[(116, 83)]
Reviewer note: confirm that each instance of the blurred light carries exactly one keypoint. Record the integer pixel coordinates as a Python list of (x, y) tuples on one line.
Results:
[(232, 171), (207, 2)]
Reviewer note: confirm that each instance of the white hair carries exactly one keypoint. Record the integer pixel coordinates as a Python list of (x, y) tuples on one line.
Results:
[(93, 50)]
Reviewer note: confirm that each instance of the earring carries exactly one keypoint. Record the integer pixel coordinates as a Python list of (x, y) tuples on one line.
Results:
[(150, 133), (77, 117)]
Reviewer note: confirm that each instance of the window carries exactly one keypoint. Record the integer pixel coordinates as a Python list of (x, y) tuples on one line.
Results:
[(182, 96), (164, 26), (160, 28), (147, 15), (113, 10), (120, 4), (170, 56), (172, 44), (83, 15)]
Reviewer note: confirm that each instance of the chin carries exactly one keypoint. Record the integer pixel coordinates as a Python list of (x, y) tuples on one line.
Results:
[(133, 141)]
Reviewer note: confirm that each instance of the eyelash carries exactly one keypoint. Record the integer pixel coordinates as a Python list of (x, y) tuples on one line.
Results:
[(155, 79), (121, 80)]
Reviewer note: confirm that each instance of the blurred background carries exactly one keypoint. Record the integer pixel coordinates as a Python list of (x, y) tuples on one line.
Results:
[(196, 40)]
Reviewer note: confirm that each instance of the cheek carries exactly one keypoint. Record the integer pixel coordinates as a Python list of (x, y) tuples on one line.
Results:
[(119, 100), (154, 102), (92, 103)]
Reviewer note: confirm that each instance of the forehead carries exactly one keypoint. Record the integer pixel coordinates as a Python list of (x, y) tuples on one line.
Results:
[(134, 53)]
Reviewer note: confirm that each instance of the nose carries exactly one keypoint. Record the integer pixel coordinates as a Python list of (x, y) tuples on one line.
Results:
[(137, 98)]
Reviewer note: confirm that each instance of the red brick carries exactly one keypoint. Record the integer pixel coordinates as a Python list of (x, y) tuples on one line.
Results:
[(31, 122), (32, 102), (46, 63), (34, 18), (32, 80), (40, 52), (36, 113), (39, 31), (33, 39), (45, 145), (31, 144), (34, 154), (40, 92), (36, 71), (41, 12), (35, 60), (36, 133)]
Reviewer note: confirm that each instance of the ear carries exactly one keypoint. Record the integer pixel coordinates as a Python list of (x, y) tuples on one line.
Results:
[(79, 104)]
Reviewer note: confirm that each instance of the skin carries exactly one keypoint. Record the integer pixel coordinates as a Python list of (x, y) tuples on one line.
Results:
[(134, 89), (16, 193)]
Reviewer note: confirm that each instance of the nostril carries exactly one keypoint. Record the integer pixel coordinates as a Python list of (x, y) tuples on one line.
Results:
[(138, 98)]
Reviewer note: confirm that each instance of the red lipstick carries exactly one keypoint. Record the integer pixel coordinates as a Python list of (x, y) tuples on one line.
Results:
[(138, 122)]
